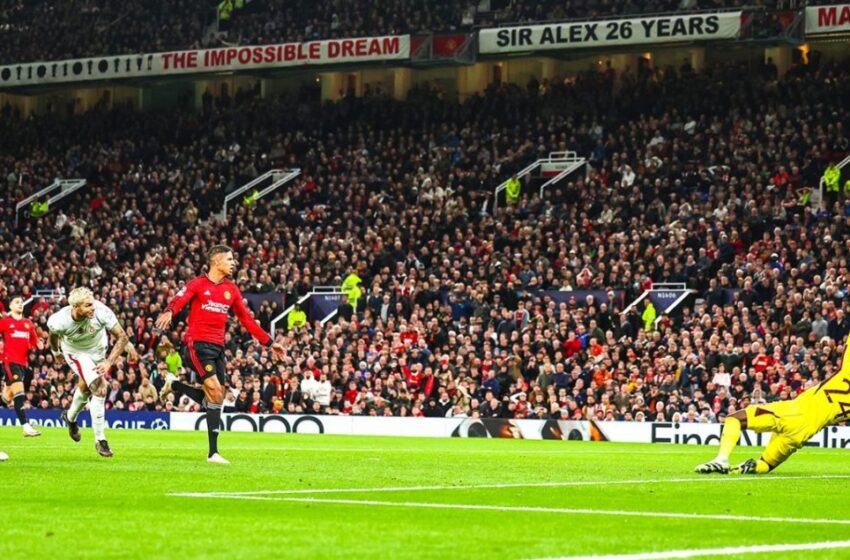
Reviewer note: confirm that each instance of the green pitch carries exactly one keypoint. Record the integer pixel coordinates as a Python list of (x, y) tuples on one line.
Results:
[(474, 498)]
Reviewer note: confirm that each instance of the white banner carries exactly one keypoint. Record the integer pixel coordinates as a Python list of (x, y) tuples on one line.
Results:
[(591, 34), (388, 426), (827, 19), (336, 51), (836, 437)]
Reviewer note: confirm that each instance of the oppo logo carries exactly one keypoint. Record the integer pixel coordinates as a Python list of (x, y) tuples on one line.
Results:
[(272, 423)]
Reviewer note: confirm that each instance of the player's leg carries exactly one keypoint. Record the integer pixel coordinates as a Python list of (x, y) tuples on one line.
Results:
[(18, 379), (16, 389), (78, 403), (778, 449), (793, 429), (214, 394), (6, 391), (728, 440), (98, 389), (195, 355), (174, 385), (84, 366)]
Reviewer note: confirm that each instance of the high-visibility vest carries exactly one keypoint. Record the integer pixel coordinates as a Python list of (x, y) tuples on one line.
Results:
[(173, 362), (648, 317), (224, 9), (250, 199), (38, 209), (350, 287), (831, 177), (513, 187), (296, 319)]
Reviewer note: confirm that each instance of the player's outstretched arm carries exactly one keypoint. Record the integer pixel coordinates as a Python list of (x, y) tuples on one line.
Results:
[(179, 301), (253, 327), (120, 344), (53, 340)]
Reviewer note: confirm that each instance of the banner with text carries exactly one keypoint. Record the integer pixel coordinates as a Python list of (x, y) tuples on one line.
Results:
[(593, 34), (677, 433), (624, 432), (335, 51), (684, 433), (828, 19), (115, 419), (322, 305), (389, 426), (664, 300)]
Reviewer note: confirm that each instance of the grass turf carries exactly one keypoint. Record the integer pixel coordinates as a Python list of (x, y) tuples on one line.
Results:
[(59, 499)]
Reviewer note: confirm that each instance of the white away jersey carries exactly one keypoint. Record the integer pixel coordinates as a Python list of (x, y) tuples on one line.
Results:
[(89, 336)]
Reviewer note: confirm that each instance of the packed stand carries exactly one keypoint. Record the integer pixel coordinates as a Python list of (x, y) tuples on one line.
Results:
[(45, 31), (683, 187), (41, 30)]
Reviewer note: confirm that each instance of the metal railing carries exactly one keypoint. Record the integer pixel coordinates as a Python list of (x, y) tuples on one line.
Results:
[(569, 158), (557, 178), (663, 287), (51, 294), (323, 290), (279, 177), (818, 198), (67, 187)]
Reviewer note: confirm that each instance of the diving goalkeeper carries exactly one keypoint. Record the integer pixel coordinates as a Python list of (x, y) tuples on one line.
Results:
[(791, 423)]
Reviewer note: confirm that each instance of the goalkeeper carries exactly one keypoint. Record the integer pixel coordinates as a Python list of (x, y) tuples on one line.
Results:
[(791, 423)]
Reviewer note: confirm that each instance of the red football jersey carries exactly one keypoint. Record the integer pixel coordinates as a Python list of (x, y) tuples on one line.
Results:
[(211, 304), (19, 337)]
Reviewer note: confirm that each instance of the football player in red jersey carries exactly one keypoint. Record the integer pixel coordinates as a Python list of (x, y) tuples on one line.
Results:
[(19, 337), (212, 297)]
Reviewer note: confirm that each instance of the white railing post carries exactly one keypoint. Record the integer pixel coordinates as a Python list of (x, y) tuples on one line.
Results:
[(568, 158), (278, 177)]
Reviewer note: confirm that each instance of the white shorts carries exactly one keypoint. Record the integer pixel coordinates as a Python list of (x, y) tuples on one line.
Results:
[(84, 366)]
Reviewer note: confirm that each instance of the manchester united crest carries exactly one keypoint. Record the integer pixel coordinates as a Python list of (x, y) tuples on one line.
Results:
[(227, 295)]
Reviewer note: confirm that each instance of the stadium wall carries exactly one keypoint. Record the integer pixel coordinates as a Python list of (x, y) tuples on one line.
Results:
[(835, 437)]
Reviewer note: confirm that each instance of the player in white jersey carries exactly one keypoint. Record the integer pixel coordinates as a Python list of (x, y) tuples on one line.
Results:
[(79, 335)]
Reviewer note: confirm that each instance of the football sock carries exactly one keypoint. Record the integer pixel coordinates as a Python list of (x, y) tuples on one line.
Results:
[(98, 420), (729, 439), (77, 404), (213, 420), (193, 393), (762, 467), (19, 408)]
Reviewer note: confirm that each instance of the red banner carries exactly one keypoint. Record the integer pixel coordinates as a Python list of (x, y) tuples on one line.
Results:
[(448, 45), (335, 51)]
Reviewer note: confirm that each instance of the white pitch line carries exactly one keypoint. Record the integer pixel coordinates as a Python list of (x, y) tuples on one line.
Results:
[(537, 509), (713, 552), (564, 484)]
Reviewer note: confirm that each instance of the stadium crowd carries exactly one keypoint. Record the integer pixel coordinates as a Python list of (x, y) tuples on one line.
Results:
[(451, 319), (40, 30)]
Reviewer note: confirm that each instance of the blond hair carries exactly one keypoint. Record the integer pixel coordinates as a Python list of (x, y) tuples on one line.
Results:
[(79, 296)]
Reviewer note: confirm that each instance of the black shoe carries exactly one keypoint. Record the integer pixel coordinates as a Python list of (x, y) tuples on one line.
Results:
[(713, 467), (73, 429), (103, 448), (747, 467)]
